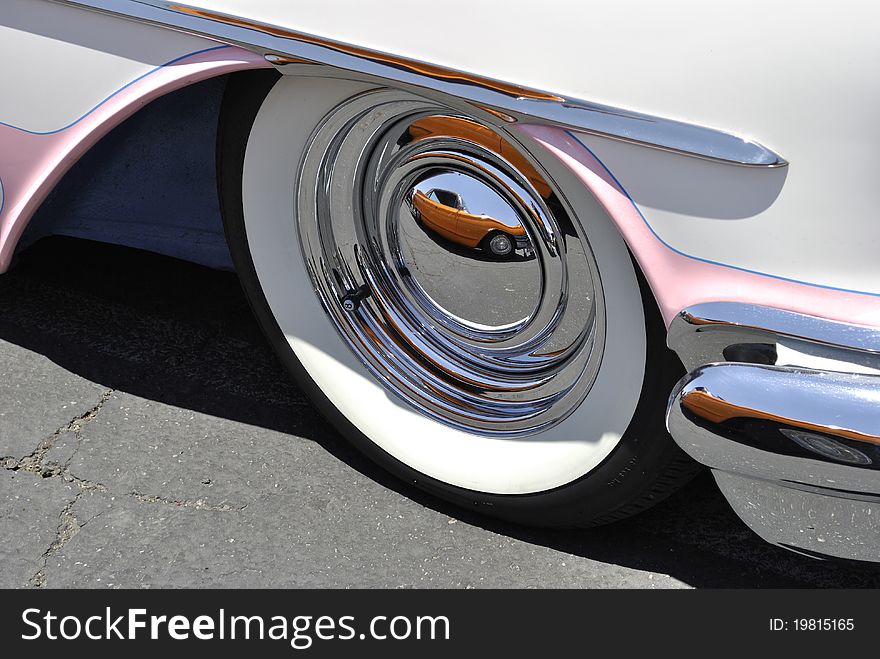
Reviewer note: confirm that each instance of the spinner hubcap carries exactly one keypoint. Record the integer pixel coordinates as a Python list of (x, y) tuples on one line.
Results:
[(450, 265)]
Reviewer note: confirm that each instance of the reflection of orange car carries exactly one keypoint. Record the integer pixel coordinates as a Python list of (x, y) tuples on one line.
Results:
[(444, 212), (479, 134)]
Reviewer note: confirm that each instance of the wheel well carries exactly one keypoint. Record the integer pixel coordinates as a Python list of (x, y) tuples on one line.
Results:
[(150, 183)]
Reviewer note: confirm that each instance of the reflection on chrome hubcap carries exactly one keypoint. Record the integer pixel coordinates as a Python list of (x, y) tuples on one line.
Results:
[(500, 244), (450, 265), (440, 232)]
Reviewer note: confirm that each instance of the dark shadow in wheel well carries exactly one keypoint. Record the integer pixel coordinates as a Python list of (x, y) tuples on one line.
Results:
[(150, 183)]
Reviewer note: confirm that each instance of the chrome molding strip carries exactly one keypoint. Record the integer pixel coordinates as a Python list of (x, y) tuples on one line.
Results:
[(282, 47), (701, 333)]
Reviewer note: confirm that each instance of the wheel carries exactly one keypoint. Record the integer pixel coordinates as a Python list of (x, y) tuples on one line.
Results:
[(533, 390), (499, 244)]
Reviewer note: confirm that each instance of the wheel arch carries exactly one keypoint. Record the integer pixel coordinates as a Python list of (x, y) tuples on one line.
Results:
[(44, 157)]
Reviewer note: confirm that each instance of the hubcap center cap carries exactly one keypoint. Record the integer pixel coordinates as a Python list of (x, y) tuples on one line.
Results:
[(466, 249)]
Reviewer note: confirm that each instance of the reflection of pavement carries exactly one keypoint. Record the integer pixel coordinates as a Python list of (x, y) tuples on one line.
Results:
[(473, 285), (468, 282)]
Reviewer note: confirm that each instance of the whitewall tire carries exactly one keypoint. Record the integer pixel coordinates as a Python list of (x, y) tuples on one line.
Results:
[(546, 410)]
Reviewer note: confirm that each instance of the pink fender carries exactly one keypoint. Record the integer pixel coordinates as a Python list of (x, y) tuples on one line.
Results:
[(34, 162), (679, 281)]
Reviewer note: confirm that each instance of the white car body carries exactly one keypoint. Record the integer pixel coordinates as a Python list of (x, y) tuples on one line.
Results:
[(799, 235)]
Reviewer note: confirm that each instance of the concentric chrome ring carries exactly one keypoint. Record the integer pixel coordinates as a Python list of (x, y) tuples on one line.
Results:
[(453, 269)]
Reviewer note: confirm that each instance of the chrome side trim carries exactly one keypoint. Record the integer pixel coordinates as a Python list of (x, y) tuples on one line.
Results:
[(283, 47), (701, 334)]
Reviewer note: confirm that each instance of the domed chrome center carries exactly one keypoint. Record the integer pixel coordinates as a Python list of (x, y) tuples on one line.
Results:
[(450, 265), (467, 250)]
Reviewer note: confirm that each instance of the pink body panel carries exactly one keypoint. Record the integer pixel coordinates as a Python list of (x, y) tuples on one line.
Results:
[(32, 163), (679, 281)]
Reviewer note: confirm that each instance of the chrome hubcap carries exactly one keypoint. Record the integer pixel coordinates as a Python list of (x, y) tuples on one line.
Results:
[(439, 236), (452, 268)]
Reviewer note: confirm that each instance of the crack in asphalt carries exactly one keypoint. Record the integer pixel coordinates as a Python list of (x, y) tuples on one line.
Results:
[(196, 504), (35, 462), (68, 526)]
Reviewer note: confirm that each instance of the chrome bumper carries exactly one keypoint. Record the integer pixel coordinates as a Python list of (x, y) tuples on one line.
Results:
[(522, 242), (795, 448)]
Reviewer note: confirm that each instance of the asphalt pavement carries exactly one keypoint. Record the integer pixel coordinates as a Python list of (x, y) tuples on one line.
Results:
[(149, 437)]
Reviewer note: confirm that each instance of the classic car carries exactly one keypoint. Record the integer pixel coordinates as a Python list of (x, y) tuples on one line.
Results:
[(696, 184), (446, 213)]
